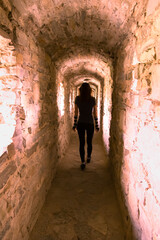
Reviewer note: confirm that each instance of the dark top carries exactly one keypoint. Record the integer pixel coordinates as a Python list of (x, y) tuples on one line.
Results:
[(85, 109)]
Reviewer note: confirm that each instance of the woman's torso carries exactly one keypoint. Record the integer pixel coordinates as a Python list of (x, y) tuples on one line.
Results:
[(85, 109)]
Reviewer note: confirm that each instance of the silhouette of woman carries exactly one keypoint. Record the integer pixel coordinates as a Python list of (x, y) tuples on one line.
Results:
[(85, 107)]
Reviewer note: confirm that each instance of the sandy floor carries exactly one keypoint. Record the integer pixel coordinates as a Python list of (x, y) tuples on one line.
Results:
[(81, 205)]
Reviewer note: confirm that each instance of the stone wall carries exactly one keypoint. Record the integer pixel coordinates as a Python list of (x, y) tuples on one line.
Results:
[(135, 131), (28, 123), (64, 111), (107, 106)]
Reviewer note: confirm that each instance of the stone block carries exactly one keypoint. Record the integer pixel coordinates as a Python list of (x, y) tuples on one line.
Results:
[(151, 6), (139, 84), (6, 5), (19, 58), (5, 23), (20, 113), (148, 55), (11, 150), (18, 128), (3, 72), (47, 59), (20, 72), (3, 209), (32, 150), (156, 30), (8, 59), (10, 82), (3, 158), (141, 68), (136, 71), (155, 83), (33, 46), (158, 50), (35, 59), (4, 230), (36, 92), (20, 6), (18, 142), (6, 173), (20, 197), (22, 38)]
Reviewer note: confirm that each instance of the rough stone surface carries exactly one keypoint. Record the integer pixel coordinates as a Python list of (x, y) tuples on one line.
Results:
[(81, 204), (135, 134), (6, 173), (45, 54), (65, 23), (25, 110)]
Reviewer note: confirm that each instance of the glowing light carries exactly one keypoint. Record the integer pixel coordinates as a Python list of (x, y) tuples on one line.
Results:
[(7, 132), (134, 82), (7, 97), (135, 59), (7, 128), (60, 99), (70, 102)]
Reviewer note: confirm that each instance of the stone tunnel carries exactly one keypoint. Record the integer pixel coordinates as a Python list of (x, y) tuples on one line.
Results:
[(47, 49)]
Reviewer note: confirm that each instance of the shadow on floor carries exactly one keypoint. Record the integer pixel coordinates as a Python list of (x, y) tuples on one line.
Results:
[(81, 205)]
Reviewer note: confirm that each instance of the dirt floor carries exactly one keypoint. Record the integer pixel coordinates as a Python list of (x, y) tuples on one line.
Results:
[(81, 205)]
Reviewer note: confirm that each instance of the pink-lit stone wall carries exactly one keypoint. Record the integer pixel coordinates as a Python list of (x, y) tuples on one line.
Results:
[(63, 91), (107, 107), (135, 128), (28, 125)]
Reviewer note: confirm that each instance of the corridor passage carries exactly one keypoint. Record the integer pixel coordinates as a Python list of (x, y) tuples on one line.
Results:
[(81, 205)]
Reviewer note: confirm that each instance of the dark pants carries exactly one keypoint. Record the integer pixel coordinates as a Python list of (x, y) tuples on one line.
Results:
[(89, 128)]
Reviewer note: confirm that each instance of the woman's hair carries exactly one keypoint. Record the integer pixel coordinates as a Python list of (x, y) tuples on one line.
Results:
[(85, 91)]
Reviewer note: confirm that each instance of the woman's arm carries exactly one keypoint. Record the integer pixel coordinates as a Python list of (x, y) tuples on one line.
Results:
[(96, 117), (76, 110), (75, 117), (95, 111)]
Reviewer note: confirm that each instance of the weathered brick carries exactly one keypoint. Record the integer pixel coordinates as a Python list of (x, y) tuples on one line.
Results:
[(18, 142), (11, 150), (158, 50), (4, 22), (151, 6), (155, 83), (19, 58), (3, 158), (148, 55), (32, 150), (20, 199), (20, 113), (4, 230), (6, 173), (22, 38), (3, 209)]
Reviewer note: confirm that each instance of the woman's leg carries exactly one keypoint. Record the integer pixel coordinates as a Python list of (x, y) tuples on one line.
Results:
[(90, 132), (81, 134)]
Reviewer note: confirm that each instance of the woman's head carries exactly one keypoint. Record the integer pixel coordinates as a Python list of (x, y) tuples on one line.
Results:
[(85, 91)]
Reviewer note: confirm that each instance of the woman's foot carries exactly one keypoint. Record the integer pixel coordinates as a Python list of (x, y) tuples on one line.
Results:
[(83, 165), (88, 159)]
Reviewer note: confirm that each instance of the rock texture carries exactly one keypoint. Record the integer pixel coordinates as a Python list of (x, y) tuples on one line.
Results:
[(47, 49), (135, 126), (88, 208)]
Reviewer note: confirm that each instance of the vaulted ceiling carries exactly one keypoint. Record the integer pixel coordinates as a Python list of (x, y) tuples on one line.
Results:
[(63, 25)]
